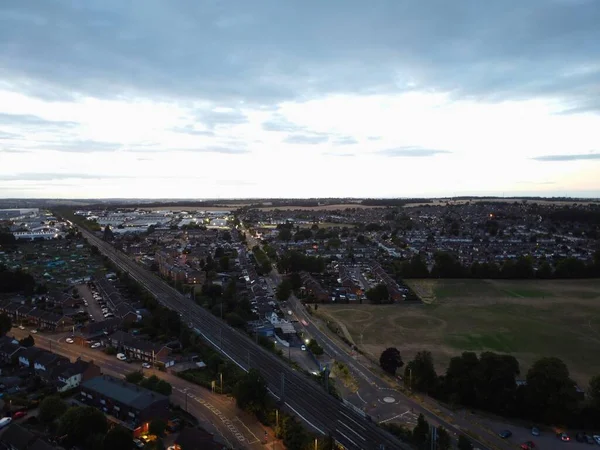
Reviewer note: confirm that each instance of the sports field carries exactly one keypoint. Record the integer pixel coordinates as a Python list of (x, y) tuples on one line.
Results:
[(528, 319)]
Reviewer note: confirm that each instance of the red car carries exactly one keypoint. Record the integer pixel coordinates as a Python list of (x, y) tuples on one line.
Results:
[(19, 414), (528, 445)]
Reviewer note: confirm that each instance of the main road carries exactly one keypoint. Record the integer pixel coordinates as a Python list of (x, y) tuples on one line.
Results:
[(294, 390)]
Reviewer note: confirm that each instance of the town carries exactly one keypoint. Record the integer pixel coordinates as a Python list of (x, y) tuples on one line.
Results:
[(84, 338)]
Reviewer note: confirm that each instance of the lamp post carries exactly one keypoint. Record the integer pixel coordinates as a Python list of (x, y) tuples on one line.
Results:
[(185, 392), (221, 376)]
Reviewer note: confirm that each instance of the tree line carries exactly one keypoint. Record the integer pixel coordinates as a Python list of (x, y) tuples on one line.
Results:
[(489, 381), (447, 266)]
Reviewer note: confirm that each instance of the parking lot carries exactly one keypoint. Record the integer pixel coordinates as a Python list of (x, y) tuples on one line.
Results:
[(93, 306)]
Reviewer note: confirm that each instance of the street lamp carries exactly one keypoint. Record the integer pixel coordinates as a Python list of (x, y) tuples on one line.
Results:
[(185, 392), (221, 375)]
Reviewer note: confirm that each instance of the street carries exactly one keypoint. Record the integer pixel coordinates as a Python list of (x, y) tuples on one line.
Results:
[(217, 414)]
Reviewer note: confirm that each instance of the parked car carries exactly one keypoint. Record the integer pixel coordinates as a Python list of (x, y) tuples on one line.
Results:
[(528, 445), (505, 434), (589, 439), (69, 340), (121, 357), (563, 437), (303, 347), (535, 431), (596, 438), (34, 331), (19, 414), (21, 327), (96, 345), (138, 443), (146, 365)]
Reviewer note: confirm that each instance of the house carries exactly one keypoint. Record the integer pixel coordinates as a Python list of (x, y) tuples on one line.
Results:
[(28, 356), (45, 362), (196, 439), (141, 349), (70, 375), (132, 406), (9, 347), (18, 438)]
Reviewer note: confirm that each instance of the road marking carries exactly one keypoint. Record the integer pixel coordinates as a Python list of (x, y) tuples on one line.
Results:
[(361, 399), (352, 430), (230, 426), (391, 418), (249, 431)]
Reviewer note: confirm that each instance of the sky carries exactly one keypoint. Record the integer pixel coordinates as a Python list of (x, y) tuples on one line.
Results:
[(299, 98)]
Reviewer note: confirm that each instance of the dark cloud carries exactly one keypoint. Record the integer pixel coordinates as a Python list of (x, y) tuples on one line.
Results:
[(267, 51), (583, 157), (411, 152), (307, 139)]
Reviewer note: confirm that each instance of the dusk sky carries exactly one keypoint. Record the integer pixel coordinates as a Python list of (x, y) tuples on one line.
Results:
[(299, 98)]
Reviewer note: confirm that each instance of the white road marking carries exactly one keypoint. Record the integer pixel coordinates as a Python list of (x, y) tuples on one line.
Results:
[(351, 429)]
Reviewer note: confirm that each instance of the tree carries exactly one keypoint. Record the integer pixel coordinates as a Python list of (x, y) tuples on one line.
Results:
[(315, 348), (464, 443), (378, 294), (224, 263), (444, 442), (157, 427), (27, 341), (51, 408), (108, 234), (118, 438), (285, 234), (284, 290), (134, 377), (461, 377), (594, 391), (294, 435), (421, 432), (79, 422), (550, 392), (420, 373), (157, 385), (390, 360), (5, 324), (495, 382), (250, 392)]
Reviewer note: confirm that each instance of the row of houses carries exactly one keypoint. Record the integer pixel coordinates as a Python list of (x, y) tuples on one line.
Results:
[(20, 312), (53, 369), (395, 292), (313, 287)]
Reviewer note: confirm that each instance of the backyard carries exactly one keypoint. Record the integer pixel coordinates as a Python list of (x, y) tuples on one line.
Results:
[(529, 319)]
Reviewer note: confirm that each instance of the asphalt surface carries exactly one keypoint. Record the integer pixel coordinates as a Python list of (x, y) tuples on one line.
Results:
[(93, 308), (216, 413), (295, 391)]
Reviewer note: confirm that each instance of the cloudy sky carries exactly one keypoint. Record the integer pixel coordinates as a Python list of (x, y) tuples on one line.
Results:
[(299, 98)]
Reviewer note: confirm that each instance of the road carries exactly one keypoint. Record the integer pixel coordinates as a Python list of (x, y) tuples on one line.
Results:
[(216, 413), (93, 308), (295, 391)]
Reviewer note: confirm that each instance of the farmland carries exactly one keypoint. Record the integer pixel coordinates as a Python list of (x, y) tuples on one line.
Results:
[(529, 319)]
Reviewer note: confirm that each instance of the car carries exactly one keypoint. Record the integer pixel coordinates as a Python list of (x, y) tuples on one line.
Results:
[(146, 365), (138, 443), (303, 347), (19, 414), (528, 445), (69, 340), (21, 327), (535, 431), (505, 434), (563, 437), (121, 357), (589, 439), (34, 331), (596, 438), (96, 345)]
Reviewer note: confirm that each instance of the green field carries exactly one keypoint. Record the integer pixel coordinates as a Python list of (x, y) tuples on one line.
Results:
[(528, 319)]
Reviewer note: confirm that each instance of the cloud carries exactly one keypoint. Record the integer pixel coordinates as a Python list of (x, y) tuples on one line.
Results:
[(281, 124), (339, 154), (190, 129), (345, 140), (215, 118), (79, 146), (582, 157), (29, 121), (234, 149), (7, 136), (410, 152), (56, 176), (306, 139)]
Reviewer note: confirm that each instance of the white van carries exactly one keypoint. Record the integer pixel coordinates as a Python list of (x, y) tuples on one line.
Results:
[(5, 422), (121, 356)]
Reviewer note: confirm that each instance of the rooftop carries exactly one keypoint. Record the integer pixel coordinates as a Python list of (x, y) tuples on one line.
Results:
[(126, 393)]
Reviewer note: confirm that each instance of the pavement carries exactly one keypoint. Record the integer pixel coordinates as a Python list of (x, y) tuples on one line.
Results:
[(216, 413)]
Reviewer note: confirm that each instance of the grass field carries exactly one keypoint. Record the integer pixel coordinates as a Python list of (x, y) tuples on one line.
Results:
[(529, 319)]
